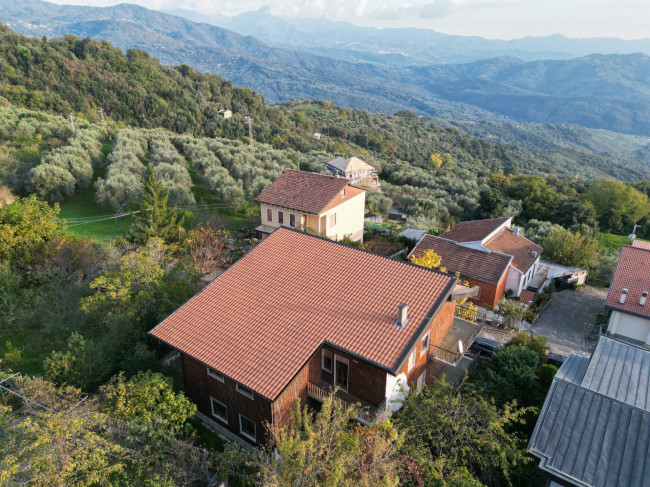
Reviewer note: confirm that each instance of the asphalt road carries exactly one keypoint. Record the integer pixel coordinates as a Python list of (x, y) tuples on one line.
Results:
[(567, 319)]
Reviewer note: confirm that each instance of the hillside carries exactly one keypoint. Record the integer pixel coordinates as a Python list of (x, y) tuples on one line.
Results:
[(68, 74), (605, 92)]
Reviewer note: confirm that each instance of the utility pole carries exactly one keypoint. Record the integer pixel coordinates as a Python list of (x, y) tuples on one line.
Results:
[(74, 133), (249, 120), (101, 112)]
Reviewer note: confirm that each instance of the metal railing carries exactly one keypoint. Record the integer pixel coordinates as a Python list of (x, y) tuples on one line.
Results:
[(449, 357), (476, 316), (365, 414)]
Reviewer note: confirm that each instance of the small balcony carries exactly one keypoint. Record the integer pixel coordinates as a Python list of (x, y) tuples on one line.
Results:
[(457, 342), (367, 413)]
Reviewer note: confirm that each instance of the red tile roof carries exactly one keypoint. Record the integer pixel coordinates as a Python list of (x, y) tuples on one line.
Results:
[(478, 264), (527, 296), (307, 191), (641, 244), (475, 230), (261, 320), (524, 252), (632, 273)]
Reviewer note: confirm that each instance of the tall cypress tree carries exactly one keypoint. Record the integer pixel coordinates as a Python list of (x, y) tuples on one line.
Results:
[(154, 218)]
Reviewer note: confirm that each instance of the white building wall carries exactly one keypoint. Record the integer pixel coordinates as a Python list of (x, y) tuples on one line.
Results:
[(629, 326), (513, 281), (275, 209), (349, 219)]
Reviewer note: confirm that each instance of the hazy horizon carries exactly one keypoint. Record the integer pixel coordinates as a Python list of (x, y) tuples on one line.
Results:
[(493, 19)]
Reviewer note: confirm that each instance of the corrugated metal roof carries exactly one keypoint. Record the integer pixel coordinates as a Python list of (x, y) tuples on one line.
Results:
[(573, 369), (413, 233), (594, 427), (558, 270), (620, 371)]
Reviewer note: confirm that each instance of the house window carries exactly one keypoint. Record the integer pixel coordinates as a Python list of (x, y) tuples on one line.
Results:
[(292, 220), (411, 361), (269, 214), (327, 360), (332, 219), (247, 428), (281, 217), (215, 375), (424, 344), (343, 192), (219, 410), (245, 391)]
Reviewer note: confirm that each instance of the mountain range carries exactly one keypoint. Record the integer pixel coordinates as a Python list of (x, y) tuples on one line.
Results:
[(398, 47), (598, 91)]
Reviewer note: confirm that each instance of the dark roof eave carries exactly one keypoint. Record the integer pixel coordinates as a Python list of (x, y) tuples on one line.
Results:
[(627, 311)]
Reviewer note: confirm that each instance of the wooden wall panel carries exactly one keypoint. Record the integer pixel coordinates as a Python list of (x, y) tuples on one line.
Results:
[(199, 386)]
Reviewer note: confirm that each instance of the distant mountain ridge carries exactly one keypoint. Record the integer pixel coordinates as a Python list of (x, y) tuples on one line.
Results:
[(397, 47), (598, 91)]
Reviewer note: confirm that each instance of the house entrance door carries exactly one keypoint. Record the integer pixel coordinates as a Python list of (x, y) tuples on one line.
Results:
[(342, 367)]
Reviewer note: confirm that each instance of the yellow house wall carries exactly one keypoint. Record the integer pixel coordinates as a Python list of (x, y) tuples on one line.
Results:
[(629, 326), (349, 219), (274, 223)]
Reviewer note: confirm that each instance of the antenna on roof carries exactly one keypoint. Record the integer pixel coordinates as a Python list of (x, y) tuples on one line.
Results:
[(632, 236)]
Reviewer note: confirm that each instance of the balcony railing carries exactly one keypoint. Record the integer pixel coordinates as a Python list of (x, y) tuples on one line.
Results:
[(449, 351), (476, 316), (366, 412)]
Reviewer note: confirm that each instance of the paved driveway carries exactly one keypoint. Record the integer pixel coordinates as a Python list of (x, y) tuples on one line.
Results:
[(567, 319)]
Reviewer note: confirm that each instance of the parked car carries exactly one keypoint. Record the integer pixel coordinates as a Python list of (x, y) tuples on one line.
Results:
[(555, 359), (485, 346)]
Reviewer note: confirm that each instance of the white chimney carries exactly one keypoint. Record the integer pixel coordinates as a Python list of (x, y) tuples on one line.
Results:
[(644, 296), (402, 315), (515, 230), (623, 296), (534, 253)]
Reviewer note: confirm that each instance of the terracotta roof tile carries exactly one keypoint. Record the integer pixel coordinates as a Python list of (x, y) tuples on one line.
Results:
[(632, 273), (261, 320), (474, 231), (524, 252), (527, 296), (478, 264), (307, 191), (641, 244)]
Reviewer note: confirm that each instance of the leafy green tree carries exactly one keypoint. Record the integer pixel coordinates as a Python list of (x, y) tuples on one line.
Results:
[(538, 199), (146, 397), (568, 248), (153, 218), (26, 225), (509, 375), (377, 203), (617, 204), (328, 449), (458, 438), (491, 204), (81, 364)]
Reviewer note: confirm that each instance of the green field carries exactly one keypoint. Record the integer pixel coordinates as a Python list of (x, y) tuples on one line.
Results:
[(608, 241)]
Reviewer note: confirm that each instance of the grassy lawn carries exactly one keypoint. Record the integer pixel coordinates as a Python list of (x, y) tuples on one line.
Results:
[(609, 241)]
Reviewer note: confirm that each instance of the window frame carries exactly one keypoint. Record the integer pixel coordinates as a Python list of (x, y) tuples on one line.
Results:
[(426, 337), (332, 218), (241, 430), (220, 418), (342, 361), (281, 217), (216, 375), (331, 357), (292, 220), (245, 391), (269, 215), (411, 362)]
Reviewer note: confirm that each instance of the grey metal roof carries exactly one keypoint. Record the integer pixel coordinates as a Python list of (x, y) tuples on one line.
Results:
[(620, 371), (594, 427), (573, 369), (413, 233), (559, 270)]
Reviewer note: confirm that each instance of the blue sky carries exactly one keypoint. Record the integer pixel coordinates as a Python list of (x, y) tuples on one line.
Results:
[(502, 19)]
